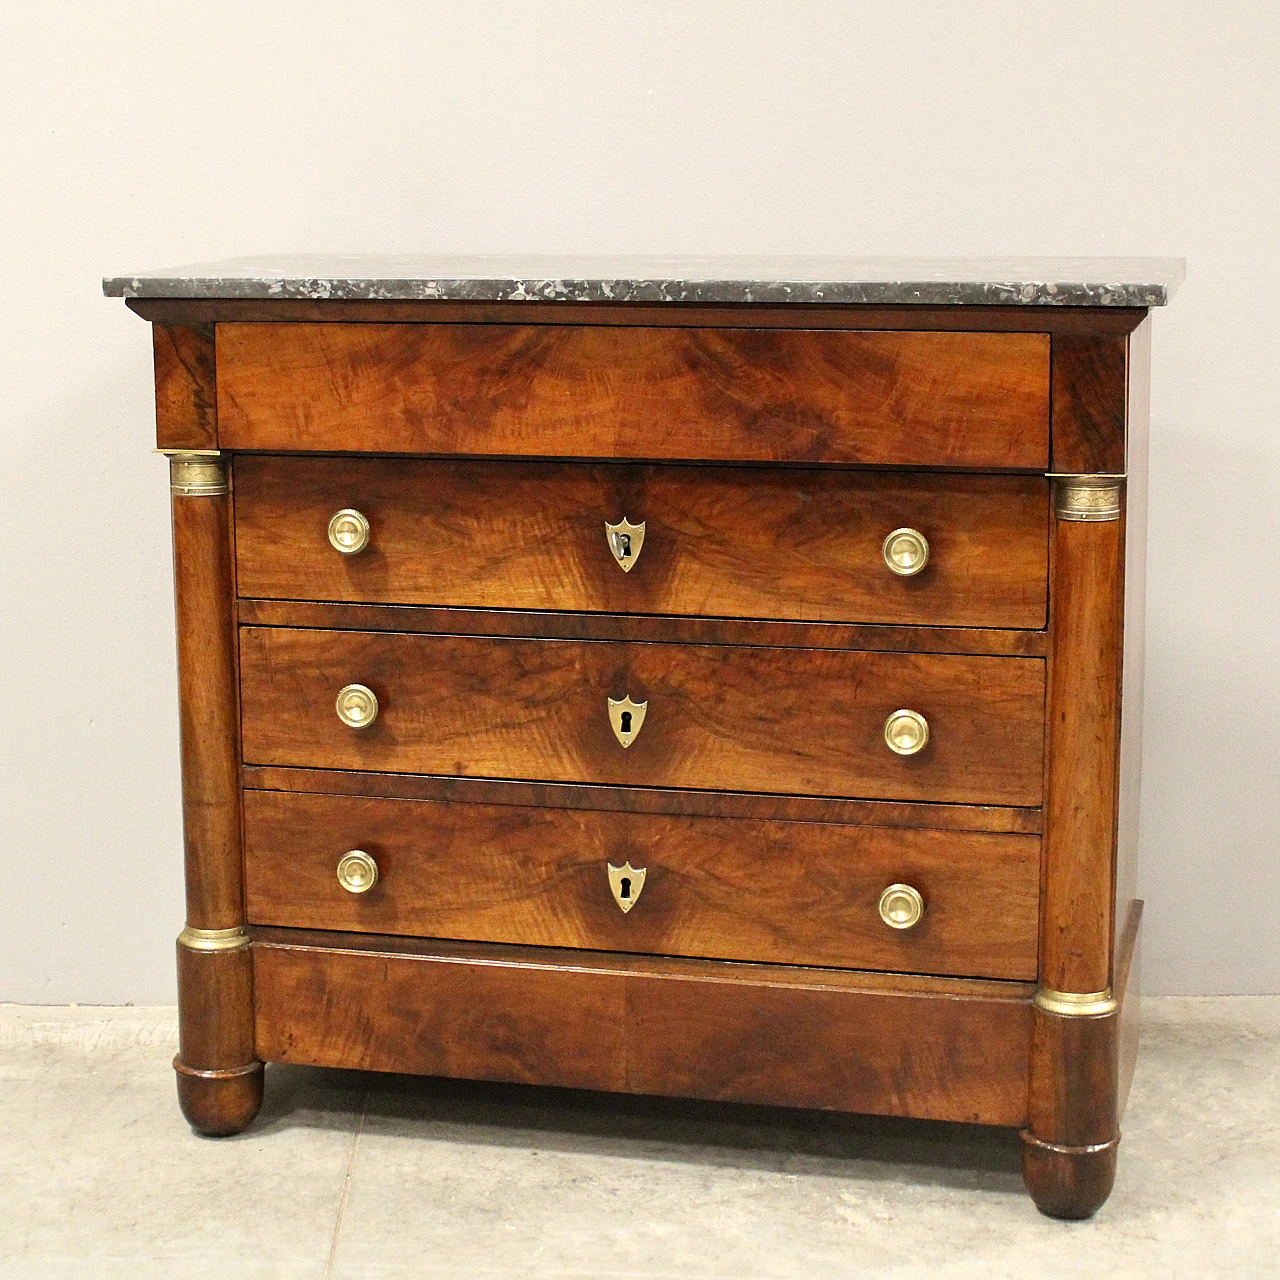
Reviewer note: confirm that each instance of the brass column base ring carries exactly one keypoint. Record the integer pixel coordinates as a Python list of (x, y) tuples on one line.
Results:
[(1090, 1004), (232, 939)]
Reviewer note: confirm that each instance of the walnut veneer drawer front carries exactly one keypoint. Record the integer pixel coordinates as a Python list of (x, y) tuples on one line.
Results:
[(804, 721), (789, 543), (792, 893), (891, 398)]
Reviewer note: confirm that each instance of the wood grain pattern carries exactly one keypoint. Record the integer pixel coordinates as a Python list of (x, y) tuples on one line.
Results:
[(786, 543), (215, 995), (219, 1103), (204, 592), (682, 315), (218, 1075), (1089, 404), (790, 893), (695, 1028), (1068, 1183), (1072, 1134), (894, 398), (1082, 754), (186, 388), (803, 721), (708, 804), (651, 628), (1072, 1097)]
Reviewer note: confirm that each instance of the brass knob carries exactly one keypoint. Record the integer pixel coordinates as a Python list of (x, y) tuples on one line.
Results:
[(357, 872), (357, 706), (905, 551), (901, 906), (906, 732), (348, 531)]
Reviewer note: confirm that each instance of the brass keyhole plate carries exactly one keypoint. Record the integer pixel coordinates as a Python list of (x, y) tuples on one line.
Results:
[(625, 542), (626, 718), (626, 883)]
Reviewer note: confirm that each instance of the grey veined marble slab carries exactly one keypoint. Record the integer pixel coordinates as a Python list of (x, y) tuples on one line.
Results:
[(1077, 282)]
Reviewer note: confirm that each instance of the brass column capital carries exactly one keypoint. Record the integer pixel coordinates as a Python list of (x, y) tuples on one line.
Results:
[(197, 473), (1094, 497)]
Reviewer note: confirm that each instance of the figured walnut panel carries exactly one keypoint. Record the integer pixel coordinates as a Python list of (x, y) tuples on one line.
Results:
[(791, 893), (693, 1028), (789, 543), (204, 609), (1089, 403), (803, 721), (764, 395), (186, 391)]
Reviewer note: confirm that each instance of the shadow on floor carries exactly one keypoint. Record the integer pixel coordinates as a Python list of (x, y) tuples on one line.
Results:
[(716, 1134)]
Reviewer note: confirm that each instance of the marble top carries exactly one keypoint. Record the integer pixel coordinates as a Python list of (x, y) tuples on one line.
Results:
[(1079, 282)]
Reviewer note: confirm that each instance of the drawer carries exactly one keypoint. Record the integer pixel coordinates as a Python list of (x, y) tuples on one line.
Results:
[(799, 721), (787, 543), (784, 892), (978, 400)]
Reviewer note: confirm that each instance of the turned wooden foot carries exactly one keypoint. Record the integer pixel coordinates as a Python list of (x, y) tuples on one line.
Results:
[(1069, 1145), (219, 1076), (219, 1103), (1068, 1182)]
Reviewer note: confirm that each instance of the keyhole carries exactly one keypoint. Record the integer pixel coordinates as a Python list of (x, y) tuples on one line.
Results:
[(623, 542), (626, 886), (626, 726)]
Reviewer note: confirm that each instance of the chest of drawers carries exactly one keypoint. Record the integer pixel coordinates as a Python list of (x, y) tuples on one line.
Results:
[(650, 685)]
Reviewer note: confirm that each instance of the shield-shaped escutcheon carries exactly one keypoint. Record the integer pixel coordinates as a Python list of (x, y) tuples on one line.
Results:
[(626, 718), (626, 883), (625, 541)]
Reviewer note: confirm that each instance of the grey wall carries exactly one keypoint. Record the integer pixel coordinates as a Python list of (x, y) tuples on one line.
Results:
[(142, 135)]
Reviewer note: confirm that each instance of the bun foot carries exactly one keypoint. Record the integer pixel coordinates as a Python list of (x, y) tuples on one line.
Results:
[(1068, 1182), (219, 1103)]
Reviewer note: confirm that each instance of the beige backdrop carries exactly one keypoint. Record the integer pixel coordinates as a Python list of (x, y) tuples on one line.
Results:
[(140, 135)]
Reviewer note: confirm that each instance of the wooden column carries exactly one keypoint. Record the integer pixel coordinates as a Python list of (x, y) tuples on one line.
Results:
[(219, 1078), (1069, 1146)]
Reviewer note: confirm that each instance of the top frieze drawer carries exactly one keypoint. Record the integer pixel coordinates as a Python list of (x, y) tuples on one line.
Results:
[(878, 398)]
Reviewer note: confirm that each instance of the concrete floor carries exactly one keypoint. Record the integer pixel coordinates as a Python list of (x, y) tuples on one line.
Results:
[(347, 1175)]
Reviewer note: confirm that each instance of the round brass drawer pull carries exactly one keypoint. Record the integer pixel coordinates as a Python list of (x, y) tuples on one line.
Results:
[(905, 551), (357, 706), (357, 872), (348, 531), (901, 906), (906, 732)]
